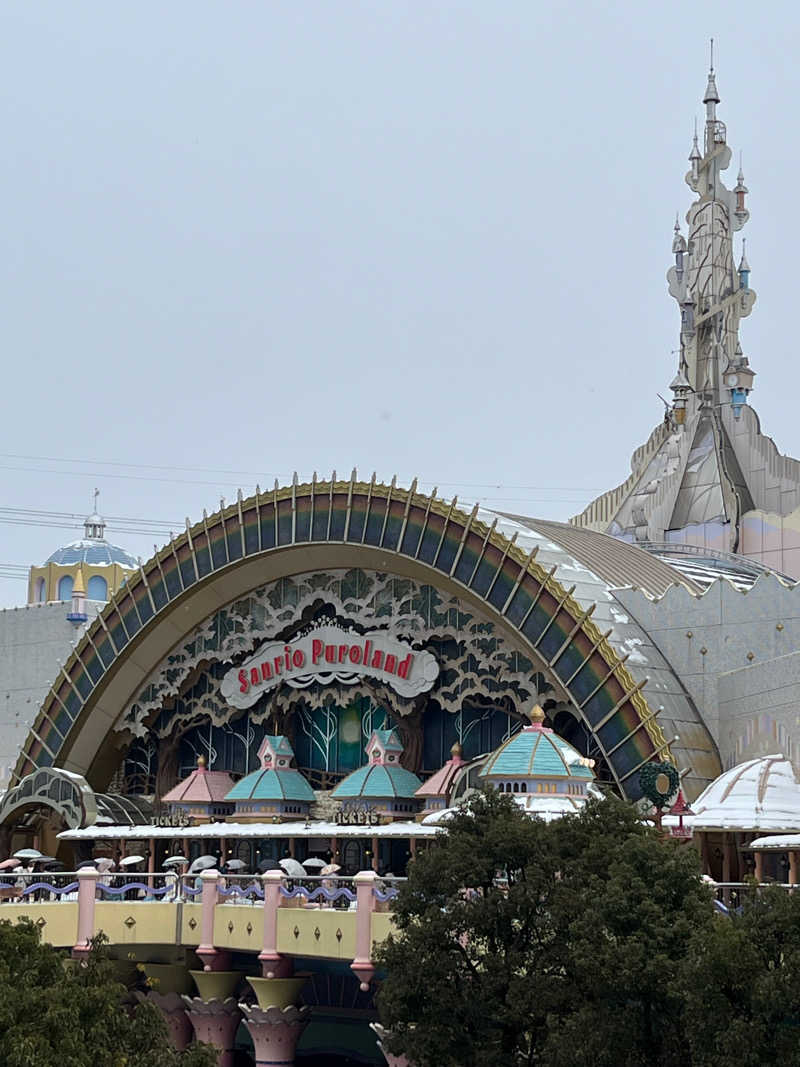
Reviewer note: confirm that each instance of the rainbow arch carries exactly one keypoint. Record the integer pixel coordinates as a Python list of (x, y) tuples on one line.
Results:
[(333, 523)]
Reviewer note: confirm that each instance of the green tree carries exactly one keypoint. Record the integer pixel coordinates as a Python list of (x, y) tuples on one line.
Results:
[(575, 959), (56, 1013), (742, 985)]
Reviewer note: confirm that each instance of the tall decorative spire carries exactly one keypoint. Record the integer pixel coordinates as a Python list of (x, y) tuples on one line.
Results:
[(712, 295), (707, 476), (675, 497)]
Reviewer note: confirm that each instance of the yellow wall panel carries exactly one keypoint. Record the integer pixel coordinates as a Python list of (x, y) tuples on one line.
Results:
[(323, 932)]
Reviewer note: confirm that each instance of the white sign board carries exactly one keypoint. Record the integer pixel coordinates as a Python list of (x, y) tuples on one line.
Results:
[(329, 654)]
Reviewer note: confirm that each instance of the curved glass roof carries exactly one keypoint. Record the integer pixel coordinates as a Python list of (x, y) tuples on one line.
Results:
[(97, 553), (117, 810), (597, 565), (703, 566)]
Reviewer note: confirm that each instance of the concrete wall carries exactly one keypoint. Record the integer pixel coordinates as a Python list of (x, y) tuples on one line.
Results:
[(34, 641), (715, 642), (760, 710)]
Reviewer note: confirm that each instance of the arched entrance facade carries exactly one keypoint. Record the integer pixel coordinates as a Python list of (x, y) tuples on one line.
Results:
[(503, 629)]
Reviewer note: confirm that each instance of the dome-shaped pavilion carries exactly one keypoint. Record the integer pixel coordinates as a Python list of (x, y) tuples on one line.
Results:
[(92, 563), (202, 795), (382, 784), (544, 773), (276, 788)]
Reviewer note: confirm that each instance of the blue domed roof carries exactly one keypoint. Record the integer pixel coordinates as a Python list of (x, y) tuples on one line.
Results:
[(377, 781), (272, 785), (537, 752), (96, 553)]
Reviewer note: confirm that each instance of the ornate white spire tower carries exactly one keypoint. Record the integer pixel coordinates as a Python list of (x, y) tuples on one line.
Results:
[(704, 280), (707, 477)]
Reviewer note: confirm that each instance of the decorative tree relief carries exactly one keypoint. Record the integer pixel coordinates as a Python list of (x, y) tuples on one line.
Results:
[(476, 662)]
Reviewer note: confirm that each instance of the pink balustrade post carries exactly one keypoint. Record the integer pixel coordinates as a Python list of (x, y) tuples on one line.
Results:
[(362, 967), (208, 902), (273, 964), (87, 893)]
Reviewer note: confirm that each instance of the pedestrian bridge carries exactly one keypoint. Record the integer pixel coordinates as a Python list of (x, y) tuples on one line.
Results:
[(272, 916)]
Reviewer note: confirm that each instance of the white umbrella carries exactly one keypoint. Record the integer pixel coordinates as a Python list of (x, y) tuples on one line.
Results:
[(105, 864), (293, 868), (176, 861), (131, 861), (28, 854), (235, 865), (313, 861), (203, 863), (330, 868)]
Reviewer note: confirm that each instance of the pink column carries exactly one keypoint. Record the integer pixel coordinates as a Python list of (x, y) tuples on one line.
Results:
[(273, 964), (173, 1011), (216, 1023), (87, 891), (275, 1033), (208, 902), (365, 882)]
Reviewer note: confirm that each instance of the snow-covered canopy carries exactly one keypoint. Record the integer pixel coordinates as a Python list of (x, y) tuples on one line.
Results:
[(759, 794), (777, 843)]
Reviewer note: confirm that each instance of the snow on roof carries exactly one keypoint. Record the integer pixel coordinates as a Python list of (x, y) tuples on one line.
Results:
[(777, 842), (252, 829), (96, 552), (759, 794)]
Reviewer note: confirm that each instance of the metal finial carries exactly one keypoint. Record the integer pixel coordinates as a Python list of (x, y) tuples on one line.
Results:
[(96, 496), (712, 55)]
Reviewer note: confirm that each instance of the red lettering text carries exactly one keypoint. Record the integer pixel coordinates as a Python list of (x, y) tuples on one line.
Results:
[(404, 666), (244, 685)]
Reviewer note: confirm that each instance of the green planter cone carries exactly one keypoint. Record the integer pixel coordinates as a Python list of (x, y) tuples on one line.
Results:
[(216, 985), (277, 992)]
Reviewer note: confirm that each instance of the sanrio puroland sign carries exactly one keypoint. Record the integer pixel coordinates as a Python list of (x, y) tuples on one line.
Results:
[(330, 654)]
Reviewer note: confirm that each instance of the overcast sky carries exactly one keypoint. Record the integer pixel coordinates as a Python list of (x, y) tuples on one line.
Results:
[(424, 238)]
